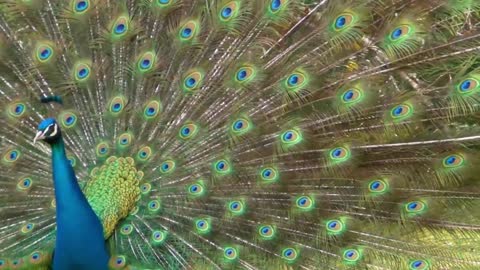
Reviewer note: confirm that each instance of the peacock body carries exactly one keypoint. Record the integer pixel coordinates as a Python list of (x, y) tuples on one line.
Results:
[(228, 134)]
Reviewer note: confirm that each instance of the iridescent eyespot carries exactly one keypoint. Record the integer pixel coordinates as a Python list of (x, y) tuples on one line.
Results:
[(68, 119), (145, 188), (24, 184), (144, 153), (11, 156), (126, 229), (236, 207), (229, 11), (154, 206), (468, 86), (80, 6), (296, 81), (27, 228), (202, 226), (102, 149), (290, 254), (188, 131), (124, 140), (453, 161), (117, 105), (266, 232), (120, 27), (377, 186), (415, 207), (269, 174), (196, 190), (82, 72), (152, 109), (192, 81), (36, 257), (275, 5), (339, 154), (305, 203), (351, 255), (245, 74), (401, 111), (44, 52), (146, 62), (230, 253), (118, 262), (400, 32), (159, 237), (163, 3), (189, 30), (168, 166), (241, 126), (17, 263), (343, 21), (16, 109), (291, 137), (351, 96), (335, 226), (222, 167), (419, 265)]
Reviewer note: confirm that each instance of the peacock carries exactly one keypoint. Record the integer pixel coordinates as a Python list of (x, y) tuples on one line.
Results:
[(239, 134)]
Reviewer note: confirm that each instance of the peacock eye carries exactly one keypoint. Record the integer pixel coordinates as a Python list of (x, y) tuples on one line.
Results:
[(400, 32)]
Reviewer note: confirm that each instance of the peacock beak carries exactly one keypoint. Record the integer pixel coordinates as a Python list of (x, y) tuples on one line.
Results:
[(39, 136)]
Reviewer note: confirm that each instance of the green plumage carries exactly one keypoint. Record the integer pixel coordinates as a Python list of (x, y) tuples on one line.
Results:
[(255, 134)]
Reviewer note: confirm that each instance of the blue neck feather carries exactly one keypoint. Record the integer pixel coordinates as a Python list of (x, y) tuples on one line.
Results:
[(79, 243)]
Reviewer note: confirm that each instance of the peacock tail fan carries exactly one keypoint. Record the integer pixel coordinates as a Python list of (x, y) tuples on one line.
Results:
[(266, 134)]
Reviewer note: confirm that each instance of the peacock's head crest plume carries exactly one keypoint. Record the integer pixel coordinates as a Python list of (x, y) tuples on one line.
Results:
[(48, 130)]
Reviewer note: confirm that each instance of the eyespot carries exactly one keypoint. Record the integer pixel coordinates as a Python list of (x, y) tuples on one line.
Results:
[(351, 96), (36, 257), (163, 3), (241, 126), (192, 81), (144, 153), (17, 263), (335, 227), (196, 189), (245, 74), (267, 232), (25, 184), (304, 203), (82, 72), (468, 86), (236, 207), (222, 167), (27, 228), (120, 27), (152, 109), (117, 105), (80, 6), (202, 226), (16, 109), (154, 206), (3, 264), (188, 131), (44, 52), (453, 161), (124, 140), (415, 207), (145, 188), (126, 229), (269, 174), (339, 154), (295, 81), (188, 30), (229, 11), (343, 21), (401, 111), (118, 262), (377, 186), (276, 5), (289, 254), (168, 166), (11, 156), (68, 119), (102, 149), (291, 137), (351, 255), (159, 237), (400, 32), (419, 265), (230, 253), (146, 62)]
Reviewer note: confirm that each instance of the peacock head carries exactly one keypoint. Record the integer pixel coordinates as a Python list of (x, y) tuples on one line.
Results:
[(48, 130)]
